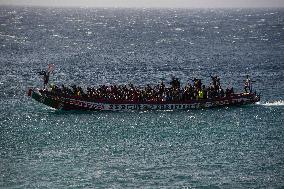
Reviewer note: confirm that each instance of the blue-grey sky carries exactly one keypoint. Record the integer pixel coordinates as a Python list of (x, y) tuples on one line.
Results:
[(150, 3)]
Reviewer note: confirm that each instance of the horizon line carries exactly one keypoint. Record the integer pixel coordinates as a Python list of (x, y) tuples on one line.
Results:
[(138, 7)]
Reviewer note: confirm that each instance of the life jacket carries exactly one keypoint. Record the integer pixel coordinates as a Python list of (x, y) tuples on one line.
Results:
[(200, 94)]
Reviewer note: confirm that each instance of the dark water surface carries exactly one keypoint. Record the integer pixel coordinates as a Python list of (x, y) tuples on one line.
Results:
[(238, 147)]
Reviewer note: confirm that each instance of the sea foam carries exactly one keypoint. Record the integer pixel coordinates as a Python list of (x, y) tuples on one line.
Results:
[(274, 103)]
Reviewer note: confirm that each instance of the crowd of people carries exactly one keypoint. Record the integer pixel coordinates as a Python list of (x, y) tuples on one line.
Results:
[(174, 92)]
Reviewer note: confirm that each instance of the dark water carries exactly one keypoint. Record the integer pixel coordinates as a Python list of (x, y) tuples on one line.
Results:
[(216, 148)]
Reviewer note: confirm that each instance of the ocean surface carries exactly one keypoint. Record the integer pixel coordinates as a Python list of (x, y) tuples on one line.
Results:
[(236, 147)]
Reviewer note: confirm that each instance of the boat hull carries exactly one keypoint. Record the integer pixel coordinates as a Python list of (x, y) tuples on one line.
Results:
[(75, 103)]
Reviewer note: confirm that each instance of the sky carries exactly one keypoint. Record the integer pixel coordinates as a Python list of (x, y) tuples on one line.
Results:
[(151, 3)]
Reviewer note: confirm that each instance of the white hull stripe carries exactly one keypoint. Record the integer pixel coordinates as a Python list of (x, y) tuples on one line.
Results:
[(117, 107)]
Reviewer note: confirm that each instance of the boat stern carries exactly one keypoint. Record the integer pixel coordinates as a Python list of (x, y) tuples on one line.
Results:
[(256, 97), (253, 97)]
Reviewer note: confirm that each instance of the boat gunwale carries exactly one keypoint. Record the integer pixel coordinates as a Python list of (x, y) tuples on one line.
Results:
[(192, 101)]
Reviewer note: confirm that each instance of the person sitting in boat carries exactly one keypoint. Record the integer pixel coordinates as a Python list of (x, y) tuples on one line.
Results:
[(232, 91), (162, 87), (175, 83), (221, 93), (215, 80), (197, 83), (228, 92), (216, 84), (204, 89)]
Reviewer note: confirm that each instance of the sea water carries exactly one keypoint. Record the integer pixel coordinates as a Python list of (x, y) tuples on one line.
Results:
[(235, 147)]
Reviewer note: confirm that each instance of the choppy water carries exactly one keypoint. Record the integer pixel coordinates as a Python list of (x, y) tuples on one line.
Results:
[(216, 148)]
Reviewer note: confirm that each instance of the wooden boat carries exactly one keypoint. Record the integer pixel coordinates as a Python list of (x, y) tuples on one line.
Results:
[(66, 102), (77, 100)]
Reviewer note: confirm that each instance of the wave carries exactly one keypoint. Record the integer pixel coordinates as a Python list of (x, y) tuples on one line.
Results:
[(274, 103)]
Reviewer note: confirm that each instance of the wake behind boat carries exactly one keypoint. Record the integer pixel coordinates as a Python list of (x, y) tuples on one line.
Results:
[(130, 97)]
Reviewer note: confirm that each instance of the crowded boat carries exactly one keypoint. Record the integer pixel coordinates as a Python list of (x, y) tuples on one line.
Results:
[(160, 92), (172, 95)]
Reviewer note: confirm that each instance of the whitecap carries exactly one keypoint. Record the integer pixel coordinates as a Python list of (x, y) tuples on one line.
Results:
[(12, 12), (261, 20), (253, 37), (274, 103), (179, 29)]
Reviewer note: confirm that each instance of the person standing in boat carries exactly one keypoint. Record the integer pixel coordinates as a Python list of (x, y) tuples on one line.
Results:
[(247, 85), (45, 78), (46, 74)]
